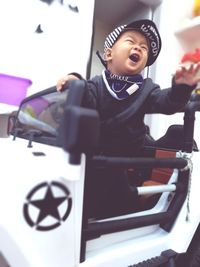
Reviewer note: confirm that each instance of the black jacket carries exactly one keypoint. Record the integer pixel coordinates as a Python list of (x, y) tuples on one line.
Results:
[(122, 121)]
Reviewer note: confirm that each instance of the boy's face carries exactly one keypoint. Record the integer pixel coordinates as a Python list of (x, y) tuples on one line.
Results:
[(129, 54)]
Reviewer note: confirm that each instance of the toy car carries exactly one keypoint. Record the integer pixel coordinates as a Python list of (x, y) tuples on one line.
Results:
[(53, 211)]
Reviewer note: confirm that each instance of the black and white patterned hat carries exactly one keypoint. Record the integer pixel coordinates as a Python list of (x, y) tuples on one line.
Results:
[(147, 28)]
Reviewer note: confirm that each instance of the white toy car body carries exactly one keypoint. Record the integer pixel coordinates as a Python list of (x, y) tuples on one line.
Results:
[(43, 206)]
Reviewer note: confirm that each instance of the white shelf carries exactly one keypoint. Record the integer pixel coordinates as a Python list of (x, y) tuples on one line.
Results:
[(188, 26), (189, 33)]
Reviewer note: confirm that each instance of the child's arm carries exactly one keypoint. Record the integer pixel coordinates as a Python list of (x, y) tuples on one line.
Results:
[(174, 99), (189, 75), (61, 83)]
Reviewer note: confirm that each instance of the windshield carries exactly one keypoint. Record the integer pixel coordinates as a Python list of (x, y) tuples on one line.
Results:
[(41, 112)]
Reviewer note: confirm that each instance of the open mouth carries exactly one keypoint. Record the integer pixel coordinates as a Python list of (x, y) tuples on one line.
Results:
[(135, 58)]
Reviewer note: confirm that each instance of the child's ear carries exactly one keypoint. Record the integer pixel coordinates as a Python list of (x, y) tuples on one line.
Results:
[(108, 54)]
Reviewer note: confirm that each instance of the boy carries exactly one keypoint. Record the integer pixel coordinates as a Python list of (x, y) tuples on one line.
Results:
[(121, 95), (122, 98)]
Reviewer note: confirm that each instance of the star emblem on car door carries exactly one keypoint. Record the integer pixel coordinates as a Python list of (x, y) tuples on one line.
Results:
[(47, 206)]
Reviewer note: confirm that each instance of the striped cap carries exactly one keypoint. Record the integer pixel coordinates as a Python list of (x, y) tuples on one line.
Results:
[(147, 28)]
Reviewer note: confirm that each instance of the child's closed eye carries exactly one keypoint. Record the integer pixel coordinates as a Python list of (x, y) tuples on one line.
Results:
[(131, 41), (144, 47)]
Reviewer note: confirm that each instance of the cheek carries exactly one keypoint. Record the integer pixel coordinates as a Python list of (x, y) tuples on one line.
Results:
[(121, 54), (144, 59), (142, 65), (146, 55), (117, 58)]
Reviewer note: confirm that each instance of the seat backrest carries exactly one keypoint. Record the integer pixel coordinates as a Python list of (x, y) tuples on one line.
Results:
[(173, 139)]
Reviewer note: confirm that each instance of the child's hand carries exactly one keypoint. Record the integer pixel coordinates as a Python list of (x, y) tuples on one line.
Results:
[(64, 81), (187, 75)]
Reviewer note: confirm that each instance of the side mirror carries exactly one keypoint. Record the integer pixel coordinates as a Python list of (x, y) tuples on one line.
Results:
[(79, 132)]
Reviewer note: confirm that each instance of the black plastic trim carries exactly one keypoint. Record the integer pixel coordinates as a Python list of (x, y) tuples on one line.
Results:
[(167, 257), (164, 219)]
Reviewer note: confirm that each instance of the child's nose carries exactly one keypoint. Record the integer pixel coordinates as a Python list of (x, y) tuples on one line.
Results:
[(137, 47)]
